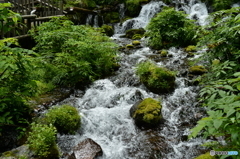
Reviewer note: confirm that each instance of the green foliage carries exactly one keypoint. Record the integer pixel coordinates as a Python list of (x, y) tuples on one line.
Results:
[(221, 91), (220, 4), (79, 53), (107, 29), (15, 82), (222, 35), (42, 140), (168, 29), (133, 7), (148, 112), (156, 79), (65, 118), (9, 17)]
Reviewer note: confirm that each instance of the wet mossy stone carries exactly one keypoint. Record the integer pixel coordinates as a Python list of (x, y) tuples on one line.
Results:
[(157, 79), (146, 113), (65, 118), (108, 30), (131, 32), (129, 46), (205, 156), (137, 36), (135, 43), (197, 70), (191, 48), (163, 53)]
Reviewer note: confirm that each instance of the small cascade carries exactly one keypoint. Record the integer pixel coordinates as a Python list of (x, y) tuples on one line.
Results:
[(122, 10), (147, 12), (89, 19), (95, 21)]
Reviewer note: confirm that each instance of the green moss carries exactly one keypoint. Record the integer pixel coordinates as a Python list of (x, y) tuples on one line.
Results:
[(191, 48), (197, 70), (137, 36), (148, 112), (205, 156), (131, 32), (136, 43), (156, 79), (65, 118), (163, 53), (215, 62), (108, 30), (129, 46)]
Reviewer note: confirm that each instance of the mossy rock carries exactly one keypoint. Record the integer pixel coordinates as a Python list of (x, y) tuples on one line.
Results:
[(197, 70), (135, 43), (129, 46), (146, 113), (205, 156), (157, 79), (191, 48), (132, 32), (65, 118), (111, 17), (137, 37), (163, 53), (215, 62), (108, 30)]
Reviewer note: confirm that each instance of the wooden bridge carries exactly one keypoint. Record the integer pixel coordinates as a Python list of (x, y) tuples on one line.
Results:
[(33, 13)]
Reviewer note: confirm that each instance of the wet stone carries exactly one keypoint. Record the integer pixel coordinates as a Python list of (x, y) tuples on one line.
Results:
[(87, 149)]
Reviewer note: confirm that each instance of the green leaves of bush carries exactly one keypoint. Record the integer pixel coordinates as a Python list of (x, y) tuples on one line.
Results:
[(42, 140), (170, 28), (80, 53), (65, 118)]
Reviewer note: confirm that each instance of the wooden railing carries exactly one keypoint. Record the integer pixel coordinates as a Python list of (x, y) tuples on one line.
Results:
[(39, 7), (21, 29)]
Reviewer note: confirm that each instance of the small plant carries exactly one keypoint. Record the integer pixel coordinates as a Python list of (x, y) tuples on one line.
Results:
[(65, 118), (42, 140), (157, 79), (168, 28)]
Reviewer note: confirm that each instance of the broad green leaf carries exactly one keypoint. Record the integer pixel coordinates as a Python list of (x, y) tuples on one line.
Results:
[(217, 123)]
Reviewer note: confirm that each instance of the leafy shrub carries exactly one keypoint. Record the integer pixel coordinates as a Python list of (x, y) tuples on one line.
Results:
[(133, 7), (42, 140), (65, 118), (157, 79), (80, 53), (220, 4), (168, 29)]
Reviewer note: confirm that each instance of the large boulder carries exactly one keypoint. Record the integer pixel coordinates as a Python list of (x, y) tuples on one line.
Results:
[(146, 113), (87, 149), (22, 151)]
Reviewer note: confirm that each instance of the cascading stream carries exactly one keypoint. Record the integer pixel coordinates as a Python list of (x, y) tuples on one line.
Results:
[(105, 105)]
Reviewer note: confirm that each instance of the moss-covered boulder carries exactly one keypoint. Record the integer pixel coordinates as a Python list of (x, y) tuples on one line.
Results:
[(146, 113), (108, 30), (65, 118), (129, 46), (163, 53), (191, 48), (205, 156), (197, 70), (134, 32), (156, 79), (133, 8), (135, 43)]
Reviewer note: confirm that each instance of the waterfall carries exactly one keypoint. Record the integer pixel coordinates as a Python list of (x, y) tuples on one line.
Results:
[(147, 12), (89, 19), (104, 106)]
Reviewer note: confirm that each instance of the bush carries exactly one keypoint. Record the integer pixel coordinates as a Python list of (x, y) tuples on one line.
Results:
[(65, 118), (168, 29), (80, 53), (133, 7), (42, 140), (157, 79)]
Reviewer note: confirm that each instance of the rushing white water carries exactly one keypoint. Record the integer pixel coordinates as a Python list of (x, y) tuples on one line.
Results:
[(147, 12), (105, 105)]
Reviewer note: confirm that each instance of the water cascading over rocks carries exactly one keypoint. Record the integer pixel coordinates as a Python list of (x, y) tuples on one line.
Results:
[(105, 105)]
